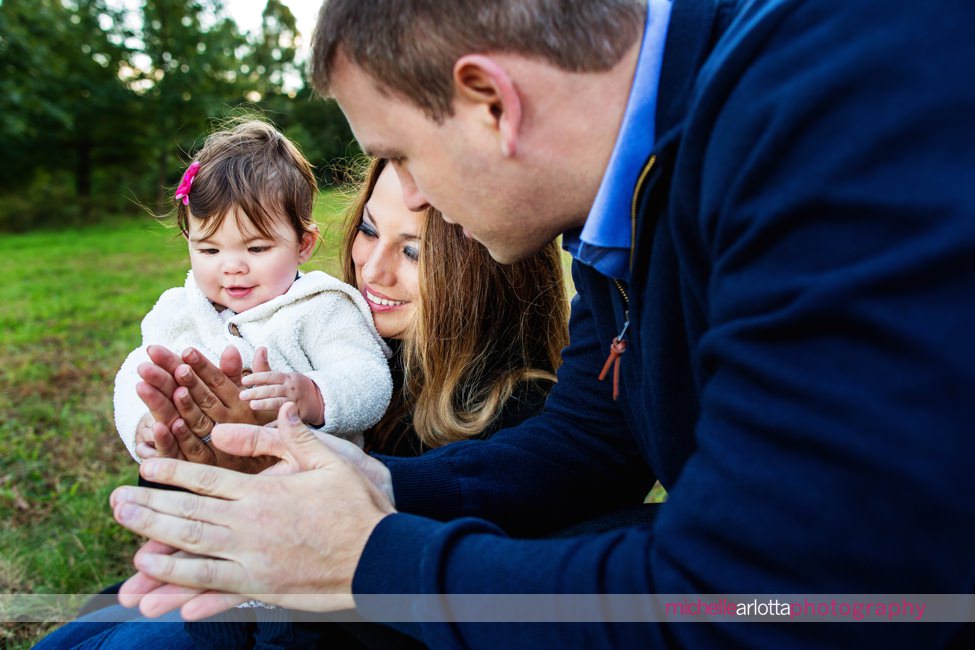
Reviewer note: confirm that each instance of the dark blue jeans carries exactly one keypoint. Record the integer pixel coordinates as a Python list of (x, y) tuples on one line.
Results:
[(118, 627)]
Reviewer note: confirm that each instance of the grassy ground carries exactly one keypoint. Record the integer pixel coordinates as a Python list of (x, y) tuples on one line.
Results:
[(72, 301)]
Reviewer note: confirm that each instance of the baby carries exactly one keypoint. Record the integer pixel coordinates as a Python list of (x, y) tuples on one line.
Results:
[(245, 208)]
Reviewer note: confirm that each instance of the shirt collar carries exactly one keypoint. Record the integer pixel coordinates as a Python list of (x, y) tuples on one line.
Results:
[(604, 242)]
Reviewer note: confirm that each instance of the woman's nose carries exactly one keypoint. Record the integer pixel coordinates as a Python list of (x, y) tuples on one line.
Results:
[(379, 269)]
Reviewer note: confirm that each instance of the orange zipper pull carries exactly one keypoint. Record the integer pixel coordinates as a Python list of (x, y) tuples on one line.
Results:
[(616, 350)]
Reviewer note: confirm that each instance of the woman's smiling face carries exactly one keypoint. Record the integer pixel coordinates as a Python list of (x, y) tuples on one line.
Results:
[(385, 253)]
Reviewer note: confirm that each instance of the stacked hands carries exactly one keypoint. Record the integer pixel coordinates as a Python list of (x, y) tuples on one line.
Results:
[(247, 531), (187, 395)]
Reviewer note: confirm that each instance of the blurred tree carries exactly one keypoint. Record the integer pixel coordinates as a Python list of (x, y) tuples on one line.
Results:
[(193, 73), (274, 50), (321, 130), (98, 99), (318, 127), (62, 102)]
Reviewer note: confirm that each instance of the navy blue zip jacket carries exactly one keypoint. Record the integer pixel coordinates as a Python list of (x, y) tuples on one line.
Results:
[(801, 365)]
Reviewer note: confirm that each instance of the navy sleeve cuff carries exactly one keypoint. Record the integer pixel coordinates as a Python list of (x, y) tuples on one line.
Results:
[(389, 571), (426, 485), (390, 562)]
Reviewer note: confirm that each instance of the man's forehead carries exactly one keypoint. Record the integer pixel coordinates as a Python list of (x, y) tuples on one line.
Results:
[(358, 94)]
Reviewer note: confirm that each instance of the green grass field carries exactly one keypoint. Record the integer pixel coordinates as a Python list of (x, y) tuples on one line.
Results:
[(72, 301)]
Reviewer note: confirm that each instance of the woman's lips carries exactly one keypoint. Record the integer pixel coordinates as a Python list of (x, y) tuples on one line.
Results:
[(380, 303), (238, 292)]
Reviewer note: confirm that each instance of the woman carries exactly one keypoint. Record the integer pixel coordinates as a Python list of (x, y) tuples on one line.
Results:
[(476, 345), (479, 342)]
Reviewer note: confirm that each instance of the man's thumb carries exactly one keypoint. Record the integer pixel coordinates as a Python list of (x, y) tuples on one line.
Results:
[(306, 450)]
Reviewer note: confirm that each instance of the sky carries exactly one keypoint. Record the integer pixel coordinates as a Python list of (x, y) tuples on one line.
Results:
[(247, 13)]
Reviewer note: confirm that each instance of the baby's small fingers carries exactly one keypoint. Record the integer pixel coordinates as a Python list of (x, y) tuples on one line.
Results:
[(263, 392), (261, 378), (272, 404)]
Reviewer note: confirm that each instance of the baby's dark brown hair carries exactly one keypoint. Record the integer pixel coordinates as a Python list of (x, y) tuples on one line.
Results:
[(253, 168)]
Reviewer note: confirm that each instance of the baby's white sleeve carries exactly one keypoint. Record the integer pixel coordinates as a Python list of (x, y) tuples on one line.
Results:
[(350, 368), (129, 408)]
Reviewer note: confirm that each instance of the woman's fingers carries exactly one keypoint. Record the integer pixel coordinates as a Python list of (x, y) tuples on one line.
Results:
[(160, 405), (231, 364), (193, 426), (210, 603), (219, 384), (144, 451), (136, 587), (166, 443), (189, 410), (164, 358), (200, 392), (165, 599), (191, 445), (157, 377), (143, 430)]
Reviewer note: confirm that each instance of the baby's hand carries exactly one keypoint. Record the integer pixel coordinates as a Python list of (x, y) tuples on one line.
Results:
[(268, 391)]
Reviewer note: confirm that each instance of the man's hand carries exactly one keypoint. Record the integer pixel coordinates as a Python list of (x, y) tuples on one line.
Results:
[(277, 536), (270, 390)]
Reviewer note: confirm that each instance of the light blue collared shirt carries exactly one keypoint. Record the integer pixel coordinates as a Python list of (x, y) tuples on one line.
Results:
[(604, 242)]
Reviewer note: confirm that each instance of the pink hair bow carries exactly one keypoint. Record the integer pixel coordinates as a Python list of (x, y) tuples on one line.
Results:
[(183, 191)]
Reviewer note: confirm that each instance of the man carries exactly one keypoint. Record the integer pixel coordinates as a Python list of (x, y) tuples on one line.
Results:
[(770, 204)]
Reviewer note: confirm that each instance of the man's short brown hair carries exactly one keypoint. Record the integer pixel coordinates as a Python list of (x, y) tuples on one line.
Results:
[(410, 46)]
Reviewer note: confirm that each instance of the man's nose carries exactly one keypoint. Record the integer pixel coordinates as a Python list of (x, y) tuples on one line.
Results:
[(412, 196)]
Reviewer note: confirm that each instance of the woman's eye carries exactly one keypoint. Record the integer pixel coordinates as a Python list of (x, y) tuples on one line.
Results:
[(412, 253), (367, 230)]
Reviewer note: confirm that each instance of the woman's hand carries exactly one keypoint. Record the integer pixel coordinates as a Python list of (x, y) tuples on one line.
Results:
[(155, 598), (202, 395), (213, 394), (155, 440)]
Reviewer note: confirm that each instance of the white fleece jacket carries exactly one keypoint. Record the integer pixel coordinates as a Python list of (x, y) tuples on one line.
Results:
[(321, 328)]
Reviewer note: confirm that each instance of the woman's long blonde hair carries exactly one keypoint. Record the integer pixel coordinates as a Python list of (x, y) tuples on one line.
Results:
[(481, 328)]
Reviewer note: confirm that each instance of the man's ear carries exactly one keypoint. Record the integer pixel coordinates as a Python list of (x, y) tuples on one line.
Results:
[(307, 246), (481, 81)]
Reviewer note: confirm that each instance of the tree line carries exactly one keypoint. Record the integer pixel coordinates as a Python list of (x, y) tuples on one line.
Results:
[(99, 105)]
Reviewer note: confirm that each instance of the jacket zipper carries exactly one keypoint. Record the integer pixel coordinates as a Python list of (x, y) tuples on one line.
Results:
[(618, 345)]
